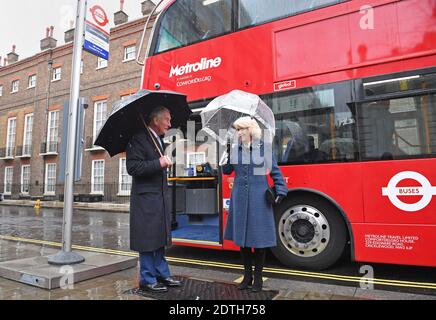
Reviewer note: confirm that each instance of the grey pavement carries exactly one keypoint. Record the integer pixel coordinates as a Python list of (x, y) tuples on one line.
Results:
[(113, 286)]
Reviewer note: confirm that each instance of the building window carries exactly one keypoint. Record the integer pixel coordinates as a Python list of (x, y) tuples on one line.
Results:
[(129, 53), (27, 141), (8, 179), (15, 86), (125, 180), (25, 179), (50, 179), (1, 91), (101, 63), (125, 96), (81, 66), (57, 74), (52, 137), (32, 81), (10, 140), (97, 179), (100, 111)]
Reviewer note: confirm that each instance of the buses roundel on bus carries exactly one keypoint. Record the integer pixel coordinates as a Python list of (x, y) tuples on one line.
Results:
[(352, 84)]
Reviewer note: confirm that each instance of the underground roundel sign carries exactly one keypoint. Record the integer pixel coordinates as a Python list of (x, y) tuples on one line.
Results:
[(99, 15), (425, 190)]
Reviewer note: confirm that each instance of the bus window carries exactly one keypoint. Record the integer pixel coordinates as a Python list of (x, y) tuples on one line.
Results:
[(314, 125), (253, 12), (376, 87), (190, 21), (398, 128), (192, 147)]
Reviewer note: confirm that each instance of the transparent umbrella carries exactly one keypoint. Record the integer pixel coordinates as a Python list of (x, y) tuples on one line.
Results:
[(220, 114)]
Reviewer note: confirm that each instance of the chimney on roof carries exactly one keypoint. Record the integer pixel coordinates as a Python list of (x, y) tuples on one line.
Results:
[(69, 34), (12, 56), (147, 7), (5, 62), (48, 42), (120, 17)]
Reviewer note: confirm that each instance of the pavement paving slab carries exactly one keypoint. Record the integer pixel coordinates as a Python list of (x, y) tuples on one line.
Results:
[(36, 271)]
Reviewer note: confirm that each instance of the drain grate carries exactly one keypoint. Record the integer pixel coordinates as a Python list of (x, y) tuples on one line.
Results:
[(195, 289)]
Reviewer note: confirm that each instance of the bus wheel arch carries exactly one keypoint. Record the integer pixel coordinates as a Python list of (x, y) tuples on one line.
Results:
[(312, 230)]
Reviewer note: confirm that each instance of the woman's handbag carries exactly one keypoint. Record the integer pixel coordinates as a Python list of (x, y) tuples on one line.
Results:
[(271, 195)]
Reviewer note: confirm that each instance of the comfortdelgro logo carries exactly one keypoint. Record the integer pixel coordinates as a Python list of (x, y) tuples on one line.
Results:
[(426, 190), (203, 64)]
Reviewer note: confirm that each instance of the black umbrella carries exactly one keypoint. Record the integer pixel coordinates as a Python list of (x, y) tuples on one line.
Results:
[(125, 118)]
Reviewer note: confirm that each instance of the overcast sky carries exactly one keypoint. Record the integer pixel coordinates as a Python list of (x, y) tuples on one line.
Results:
[(23, 22)]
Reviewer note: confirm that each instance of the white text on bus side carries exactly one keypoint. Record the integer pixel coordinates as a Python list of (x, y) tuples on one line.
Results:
[(194, 67)]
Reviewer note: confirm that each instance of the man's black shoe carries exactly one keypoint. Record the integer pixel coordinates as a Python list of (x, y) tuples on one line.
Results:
[(155, 287), (170, 282)]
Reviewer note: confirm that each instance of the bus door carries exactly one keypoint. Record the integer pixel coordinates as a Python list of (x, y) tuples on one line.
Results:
[(194, 185)]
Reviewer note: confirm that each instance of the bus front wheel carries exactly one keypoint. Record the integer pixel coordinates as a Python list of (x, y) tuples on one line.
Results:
[(310, 233)]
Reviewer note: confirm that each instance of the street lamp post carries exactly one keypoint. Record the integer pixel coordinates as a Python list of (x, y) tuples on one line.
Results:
[(66, 256)]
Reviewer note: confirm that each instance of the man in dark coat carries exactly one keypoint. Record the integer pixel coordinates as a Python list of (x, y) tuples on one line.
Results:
[(150, 219)]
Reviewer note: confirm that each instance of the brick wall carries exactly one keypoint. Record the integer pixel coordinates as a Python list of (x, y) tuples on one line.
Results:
[(119, 78)]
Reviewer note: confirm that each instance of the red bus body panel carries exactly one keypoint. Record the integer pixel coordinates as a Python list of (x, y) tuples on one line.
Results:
[(324, 46)]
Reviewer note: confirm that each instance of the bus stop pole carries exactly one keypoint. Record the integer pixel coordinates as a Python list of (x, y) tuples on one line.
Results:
[(66, 256)]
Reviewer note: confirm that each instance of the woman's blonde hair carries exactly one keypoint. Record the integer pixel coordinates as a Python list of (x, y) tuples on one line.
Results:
[(250, 124)]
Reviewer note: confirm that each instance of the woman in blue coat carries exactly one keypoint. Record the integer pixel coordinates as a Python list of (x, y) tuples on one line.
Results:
[(250, 223)]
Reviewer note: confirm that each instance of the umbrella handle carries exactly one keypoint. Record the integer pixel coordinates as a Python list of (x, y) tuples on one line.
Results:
[(151, 135)]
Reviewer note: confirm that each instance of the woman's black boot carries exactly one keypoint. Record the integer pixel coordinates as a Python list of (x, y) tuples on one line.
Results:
[(248, 268), (259, 260)]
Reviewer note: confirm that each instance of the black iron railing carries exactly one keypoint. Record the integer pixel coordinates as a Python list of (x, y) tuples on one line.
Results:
[(23, 151), (50, 147)]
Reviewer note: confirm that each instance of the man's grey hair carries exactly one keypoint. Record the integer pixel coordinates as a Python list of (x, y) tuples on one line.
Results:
[(157, 112)]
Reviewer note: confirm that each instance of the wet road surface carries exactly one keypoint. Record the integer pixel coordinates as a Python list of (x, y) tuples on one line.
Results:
[(90, 228)]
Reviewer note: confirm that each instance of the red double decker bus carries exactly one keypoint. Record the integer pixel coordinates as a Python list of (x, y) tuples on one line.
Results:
[(352, 84)]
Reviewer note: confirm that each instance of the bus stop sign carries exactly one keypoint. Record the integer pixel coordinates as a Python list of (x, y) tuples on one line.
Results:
[(97, 32)]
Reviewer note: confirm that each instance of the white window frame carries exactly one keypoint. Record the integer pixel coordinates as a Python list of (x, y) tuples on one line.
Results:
[(52, 178), (1, 90), (195, 158), (52, 131), (31, 83), (27, 136), (15, 87), (57, 74), (129, 50), (10, 137), (23, 191), (101, 63), (123, 172), (94, 177), (100, 116), (8, 182)]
